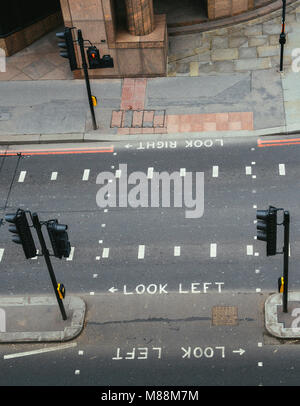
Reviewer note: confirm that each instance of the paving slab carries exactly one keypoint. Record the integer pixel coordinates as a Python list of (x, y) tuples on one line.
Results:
[(38, 319)]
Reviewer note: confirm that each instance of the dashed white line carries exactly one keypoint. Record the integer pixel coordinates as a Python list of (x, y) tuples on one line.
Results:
[(40, 351), (141, 252), (70, 258), (248, 170), (118, 173), (215, 171), (213, 250), (182, 172), (177, 251), (53, 175), (86, 174), (249, 249), (282, 169), (1, 253), (22, 176), (105, 253)]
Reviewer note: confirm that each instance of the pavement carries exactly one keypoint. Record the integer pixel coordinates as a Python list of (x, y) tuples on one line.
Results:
[(38, 319), (229, 85)]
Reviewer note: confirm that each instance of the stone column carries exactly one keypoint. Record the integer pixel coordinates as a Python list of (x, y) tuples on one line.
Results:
[(140, 16)]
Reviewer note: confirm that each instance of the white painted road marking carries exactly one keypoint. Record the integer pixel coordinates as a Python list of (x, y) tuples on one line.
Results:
[(1, 253), (22, 176), (2, 321), (249, 249), (282, 169), (105, 253), (141, 252), (42, 350), (70, 258), (182, 171), (150, 173), (118, 173), (213, 250), (248, 170), (176, 251), (86, 174), (53, 175), (215, 171)]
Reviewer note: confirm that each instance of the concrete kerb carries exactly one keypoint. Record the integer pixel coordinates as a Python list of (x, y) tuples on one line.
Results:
[(41, 316), (102, 137), (273, 324)]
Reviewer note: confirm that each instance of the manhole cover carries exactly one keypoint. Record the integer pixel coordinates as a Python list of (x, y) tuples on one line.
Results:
[(224, 315)]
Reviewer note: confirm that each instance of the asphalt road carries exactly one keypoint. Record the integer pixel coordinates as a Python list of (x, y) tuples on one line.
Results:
[(149, 275)]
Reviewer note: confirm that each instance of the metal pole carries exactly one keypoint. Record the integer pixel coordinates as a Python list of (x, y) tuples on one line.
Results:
[(286, 223), (282, 38), (86, 76), (45, 252)]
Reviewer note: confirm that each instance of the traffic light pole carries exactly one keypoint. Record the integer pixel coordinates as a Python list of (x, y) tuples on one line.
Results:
[(286, 223), (86, 76), (282, 38), (45, 252)]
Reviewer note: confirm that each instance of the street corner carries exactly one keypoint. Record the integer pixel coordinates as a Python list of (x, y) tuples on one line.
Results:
[(38, 319), (279, 323)]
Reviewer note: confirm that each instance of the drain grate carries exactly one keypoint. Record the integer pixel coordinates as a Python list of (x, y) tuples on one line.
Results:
[(224, 315), (138, 119)]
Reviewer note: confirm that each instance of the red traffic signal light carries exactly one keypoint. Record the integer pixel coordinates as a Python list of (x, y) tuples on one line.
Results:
[(96, 62), (93, 57)]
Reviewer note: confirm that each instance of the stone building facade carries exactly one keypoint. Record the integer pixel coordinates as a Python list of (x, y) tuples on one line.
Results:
[(130, 32)]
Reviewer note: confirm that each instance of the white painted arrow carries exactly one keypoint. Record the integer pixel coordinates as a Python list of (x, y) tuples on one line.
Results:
[(240, 351), (112, 290)]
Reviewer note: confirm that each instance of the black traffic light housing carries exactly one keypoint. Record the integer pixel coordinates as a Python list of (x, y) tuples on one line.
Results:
[(267, 228), (59, 239), (93, 57), (67, 45), (22, 233), (96, 62)]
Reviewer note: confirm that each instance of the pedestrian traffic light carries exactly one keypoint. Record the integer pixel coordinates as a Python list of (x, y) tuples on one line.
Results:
[(22, 233), (93, 57), (67, 46), (267, 228), (59, 239)]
